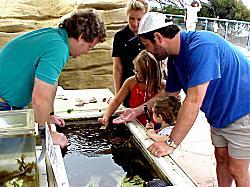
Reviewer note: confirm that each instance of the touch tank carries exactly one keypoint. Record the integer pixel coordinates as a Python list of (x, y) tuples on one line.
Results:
[(104, 157), (18, 166)]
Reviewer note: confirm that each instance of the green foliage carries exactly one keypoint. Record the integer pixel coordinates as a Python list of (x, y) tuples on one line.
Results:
[(154, 9), (70, 110), (242, 13), (224, 9), (173, 10)]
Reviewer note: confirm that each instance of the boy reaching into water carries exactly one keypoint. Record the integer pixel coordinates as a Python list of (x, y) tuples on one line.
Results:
[(165, 111)]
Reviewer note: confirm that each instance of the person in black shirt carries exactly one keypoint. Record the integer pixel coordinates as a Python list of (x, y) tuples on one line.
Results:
[(126, 47)]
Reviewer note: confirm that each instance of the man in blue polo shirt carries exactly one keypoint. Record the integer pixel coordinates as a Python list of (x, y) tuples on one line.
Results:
[(215, 75), (31, 63)]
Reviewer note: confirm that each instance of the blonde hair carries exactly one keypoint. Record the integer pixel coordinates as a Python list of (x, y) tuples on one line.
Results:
[(142, 5), (150, 70)]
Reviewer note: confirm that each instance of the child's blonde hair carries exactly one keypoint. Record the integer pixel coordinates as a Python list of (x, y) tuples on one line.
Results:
[(168, 107), (138, 5), (150, 70)]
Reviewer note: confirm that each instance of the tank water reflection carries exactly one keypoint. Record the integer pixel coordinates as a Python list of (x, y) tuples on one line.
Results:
[(105, 158)]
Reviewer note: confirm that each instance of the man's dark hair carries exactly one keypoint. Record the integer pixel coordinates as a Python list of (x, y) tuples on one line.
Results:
[(168, 32), (86, 23)]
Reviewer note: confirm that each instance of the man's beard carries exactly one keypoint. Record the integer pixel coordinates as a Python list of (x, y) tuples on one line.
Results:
[(160, 53)]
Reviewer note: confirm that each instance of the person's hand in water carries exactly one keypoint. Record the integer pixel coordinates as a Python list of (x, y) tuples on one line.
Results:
[(104, 121)]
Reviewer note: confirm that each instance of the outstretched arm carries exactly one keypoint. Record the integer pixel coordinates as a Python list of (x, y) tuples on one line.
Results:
[(117, 101), (156, 137), (185, 120)]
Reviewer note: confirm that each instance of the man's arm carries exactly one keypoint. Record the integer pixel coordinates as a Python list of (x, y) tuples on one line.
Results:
[(185, 119), (53, 118), (117, 73), (188, 112), (42, 100), (54, 96)]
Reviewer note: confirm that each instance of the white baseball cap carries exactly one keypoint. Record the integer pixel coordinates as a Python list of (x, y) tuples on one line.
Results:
[(152, 21)]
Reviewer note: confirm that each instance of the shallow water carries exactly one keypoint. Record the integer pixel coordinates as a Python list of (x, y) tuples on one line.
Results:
[(105, 158), (18, 161)]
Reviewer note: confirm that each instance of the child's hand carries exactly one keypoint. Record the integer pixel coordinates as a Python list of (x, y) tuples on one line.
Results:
[(104, 121), (149, 125), (151, 133)]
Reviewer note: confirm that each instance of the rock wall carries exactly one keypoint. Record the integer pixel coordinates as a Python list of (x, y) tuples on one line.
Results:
[(93, 70)]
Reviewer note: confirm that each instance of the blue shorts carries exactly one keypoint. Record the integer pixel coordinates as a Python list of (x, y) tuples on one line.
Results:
[(5, 106)]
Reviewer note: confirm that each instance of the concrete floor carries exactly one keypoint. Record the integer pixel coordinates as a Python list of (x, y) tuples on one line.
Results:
[(196, 154), (245, 51)]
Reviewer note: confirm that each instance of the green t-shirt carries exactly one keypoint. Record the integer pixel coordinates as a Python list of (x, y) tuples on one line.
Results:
[(41, 53)]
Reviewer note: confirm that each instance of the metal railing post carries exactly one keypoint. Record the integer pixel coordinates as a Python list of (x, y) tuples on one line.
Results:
[(206, 21), (248, 41), (226, 30)]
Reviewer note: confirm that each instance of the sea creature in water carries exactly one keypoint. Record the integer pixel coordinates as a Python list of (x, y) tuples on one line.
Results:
[(21, 173)]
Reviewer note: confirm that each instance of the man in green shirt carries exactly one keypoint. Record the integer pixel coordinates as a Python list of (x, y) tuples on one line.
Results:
[(31, 63)]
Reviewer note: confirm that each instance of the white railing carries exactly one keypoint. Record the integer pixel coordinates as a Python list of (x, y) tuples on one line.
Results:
[(237, 32)]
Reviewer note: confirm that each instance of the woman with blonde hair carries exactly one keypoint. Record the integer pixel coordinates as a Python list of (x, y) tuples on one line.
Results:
[(125, 49)]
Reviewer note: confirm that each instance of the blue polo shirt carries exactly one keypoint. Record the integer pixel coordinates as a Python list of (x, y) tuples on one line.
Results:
[(41, 53), (206, 56)]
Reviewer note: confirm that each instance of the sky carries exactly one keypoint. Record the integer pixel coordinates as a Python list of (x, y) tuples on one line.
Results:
[(247, 3)]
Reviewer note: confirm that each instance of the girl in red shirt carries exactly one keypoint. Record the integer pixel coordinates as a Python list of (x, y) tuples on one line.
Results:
[(142, 86)]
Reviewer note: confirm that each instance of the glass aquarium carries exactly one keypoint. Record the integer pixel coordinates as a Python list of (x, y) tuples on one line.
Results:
[(104, 158), (18, 149)]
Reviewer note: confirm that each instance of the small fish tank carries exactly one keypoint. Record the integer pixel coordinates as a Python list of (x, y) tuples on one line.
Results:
[(104, 157), (18, 166)]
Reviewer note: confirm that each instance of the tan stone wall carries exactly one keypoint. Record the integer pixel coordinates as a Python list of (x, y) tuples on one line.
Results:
[(93, 70)]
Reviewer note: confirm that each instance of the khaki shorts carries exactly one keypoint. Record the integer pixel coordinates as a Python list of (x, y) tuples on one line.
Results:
[(236, 137)]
